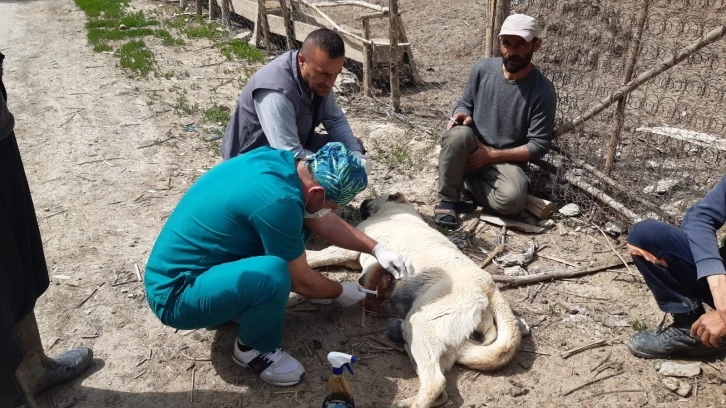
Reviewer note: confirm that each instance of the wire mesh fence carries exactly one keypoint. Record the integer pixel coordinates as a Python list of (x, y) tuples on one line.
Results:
[(664, 147)]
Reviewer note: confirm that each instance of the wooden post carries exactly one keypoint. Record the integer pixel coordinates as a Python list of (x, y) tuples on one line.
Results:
[(226, 14), (395, 57), (199, 7), (502, 11), (25, 394), (262, 16), (183, 4), (212, 9), (491, 7), (627, 76), (367, 63), (289, 25)]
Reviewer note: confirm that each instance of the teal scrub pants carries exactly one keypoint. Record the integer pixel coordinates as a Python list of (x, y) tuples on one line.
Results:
[(253, 291)]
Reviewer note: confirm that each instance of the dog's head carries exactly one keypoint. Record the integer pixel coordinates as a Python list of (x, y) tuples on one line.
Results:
[(371, 207)]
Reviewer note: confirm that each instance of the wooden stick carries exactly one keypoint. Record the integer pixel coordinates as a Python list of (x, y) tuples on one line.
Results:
[(395, 59), (138, 272), (578, 350), (336, 26), (581, 386), (552, 258), (387, 344), (511, 224), (194, 375), (362, 315), (87, 297), (564, 274), (352, 3), (607, 239), (262, 15), (602, 197), (627, 77), (195, 358), (139, 374), (289, 25), (491, 255), (663, 66)]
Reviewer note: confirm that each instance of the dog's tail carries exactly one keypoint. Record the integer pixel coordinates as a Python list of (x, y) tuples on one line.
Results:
[(501, 352)]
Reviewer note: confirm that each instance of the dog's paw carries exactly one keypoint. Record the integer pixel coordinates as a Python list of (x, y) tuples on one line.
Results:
[(442, 399)]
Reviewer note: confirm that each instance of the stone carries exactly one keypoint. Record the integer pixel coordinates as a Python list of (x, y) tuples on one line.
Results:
[(244, 35), (662, 186), (671, 369), (684, 388), (546, 224), (317, 344), (122, 27), (346, 83), (570, 210), (517, 258), (670, 383), (515, 271), (613, 228)]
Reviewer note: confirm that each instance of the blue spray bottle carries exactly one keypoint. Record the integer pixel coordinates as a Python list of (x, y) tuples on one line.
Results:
[(340, 395)]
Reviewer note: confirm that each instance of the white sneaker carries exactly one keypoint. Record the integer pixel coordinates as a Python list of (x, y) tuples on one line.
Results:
[(276, 367)]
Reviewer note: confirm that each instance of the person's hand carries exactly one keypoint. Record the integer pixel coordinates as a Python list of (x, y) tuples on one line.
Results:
[(480, 158), (709, 328), (365, 159), (351, 294), (397, 265), (459, 119)]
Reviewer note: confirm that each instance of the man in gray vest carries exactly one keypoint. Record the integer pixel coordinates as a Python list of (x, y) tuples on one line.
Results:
[(288, 98), (504, 117)]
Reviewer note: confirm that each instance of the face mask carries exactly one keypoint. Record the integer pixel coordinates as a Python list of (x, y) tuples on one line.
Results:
[(317, 214)]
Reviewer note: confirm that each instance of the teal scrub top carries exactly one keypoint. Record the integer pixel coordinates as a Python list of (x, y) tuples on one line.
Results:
[(251, 205)]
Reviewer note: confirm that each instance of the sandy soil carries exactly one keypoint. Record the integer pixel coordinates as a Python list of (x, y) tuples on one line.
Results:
[(108, 157)]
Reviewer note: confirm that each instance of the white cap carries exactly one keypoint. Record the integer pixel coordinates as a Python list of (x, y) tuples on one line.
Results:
[(520, 25)]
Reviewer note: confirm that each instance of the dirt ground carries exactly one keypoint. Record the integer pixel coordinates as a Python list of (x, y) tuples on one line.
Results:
[(109, 156)]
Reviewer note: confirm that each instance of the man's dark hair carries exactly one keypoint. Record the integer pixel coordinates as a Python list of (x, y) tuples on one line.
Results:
[(325, 39)]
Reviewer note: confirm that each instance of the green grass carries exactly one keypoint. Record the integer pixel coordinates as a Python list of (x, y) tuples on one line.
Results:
[(102, 47), (101, 35), (638, 325), (103, 8), (216, 114), (240, 49), (183, 106), (167, 39), (136, 57), (204, 31), (134, 20)]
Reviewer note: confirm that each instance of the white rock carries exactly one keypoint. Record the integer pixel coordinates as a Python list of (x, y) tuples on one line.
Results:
[(517, 258), (684, 388), (570, 210), (546, 224), (244, 35), (346, 83), (122, 27), (670, 383), (515, 271), (662, 186), (671, 369), (613, 228)]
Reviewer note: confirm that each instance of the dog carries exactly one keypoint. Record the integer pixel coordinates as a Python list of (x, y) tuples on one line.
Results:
[(450, 311)]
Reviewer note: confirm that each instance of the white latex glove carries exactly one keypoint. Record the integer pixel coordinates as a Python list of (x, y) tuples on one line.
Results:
[(397, 265), (365, 159), (351, 294)]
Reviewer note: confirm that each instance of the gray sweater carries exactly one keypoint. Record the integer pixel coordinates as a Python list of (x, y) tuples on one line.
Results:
[(509, 114)]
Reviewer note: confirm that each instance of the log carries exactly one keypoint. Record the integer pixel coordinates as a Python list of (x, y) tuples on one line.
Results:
[(289, 25), (212, 9), (713, 36), (564, 274), (540, 208), (367, 52), (627, 77), (603, 198), (395, 57), (334, 24), (352, 3), (374, 15), (502, 222), (264, 24), (489, 34)]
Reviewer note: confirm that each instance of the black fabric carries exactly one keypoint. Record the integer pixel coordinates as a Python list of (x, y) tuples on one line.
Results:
[(259, 363), (23, 270)]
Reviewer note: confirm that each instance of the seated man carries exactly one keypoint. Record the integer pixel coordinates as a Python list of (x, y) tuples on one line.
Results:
[(234, 249), (683, 268), (505, 117), (288, 98)]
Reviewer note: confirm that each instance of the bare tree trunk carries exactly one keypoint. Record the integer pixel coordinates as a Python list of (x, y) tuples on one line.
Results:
[(627, 77), (491, 11), (502, 11), (395, 57)]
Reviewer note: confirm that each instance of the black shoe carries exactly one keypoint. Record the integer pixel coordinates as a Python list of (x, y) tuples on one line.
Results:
[(665, 342)]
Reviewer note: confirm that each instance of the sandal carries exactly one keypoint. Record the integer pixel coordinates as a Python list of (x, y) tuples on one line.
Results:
[(447, 213)]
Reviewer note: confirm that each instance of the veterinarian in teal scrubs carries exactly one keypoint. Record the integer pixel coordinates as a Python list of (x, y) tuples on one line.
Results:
[(234, 248)]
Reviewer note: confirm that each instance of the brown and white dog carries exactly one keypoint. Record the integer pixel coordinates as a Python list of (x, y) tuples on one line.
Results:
[(449, 311)]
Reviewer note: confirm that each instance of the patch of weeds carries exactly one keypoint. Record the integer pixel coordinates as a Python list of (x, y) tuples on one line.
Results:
[(136, 57), (372, 193), (240, 49), (638, 325), (216, 114), (167, 39), (552, 310), (102, 8), (208, 31), (101, 35), (102, 47), (134, 20), (176, 22), (182, 106)]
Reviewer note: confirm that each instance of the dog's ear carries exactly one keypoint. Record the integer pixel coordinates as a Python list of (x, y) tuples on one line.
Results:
[(397, 197)]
